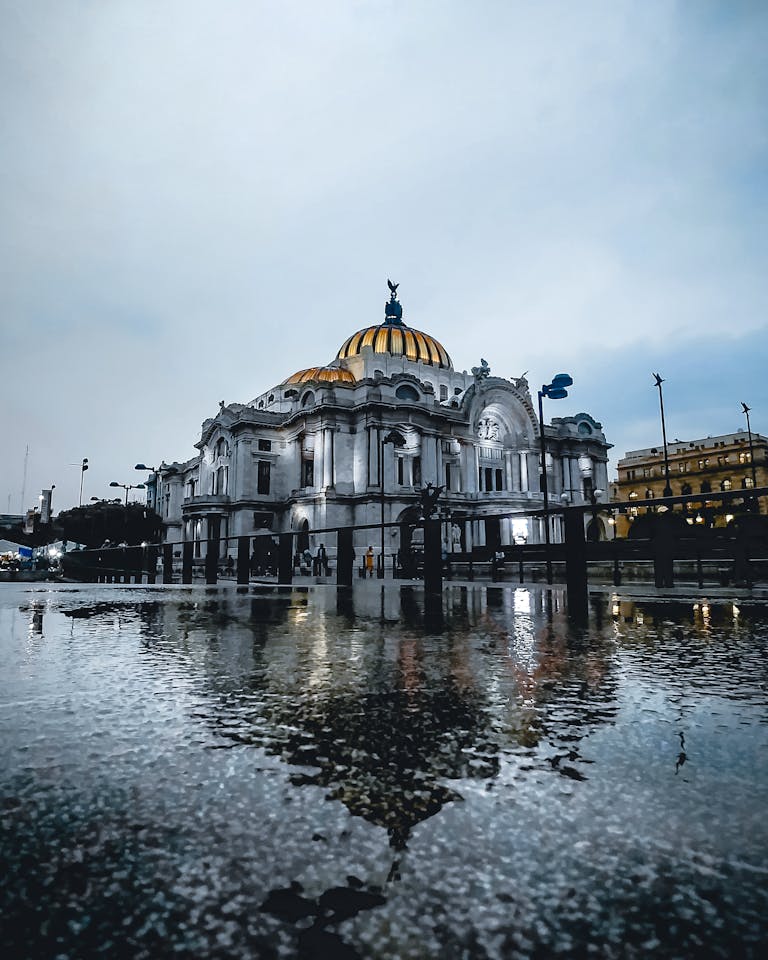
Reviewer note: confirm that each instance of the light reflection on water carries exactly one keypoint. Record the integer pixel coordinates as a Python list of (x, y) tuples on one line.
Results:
[(313, 773)]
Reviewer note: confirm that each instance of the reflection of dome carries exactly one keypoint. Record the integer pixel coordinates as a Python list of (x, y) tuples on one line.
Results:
[(325, 374), (399, 341)]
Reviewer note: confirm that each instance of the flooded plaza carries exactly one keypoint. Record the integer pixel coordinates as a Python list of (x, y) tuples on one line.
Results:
[(320, 773)]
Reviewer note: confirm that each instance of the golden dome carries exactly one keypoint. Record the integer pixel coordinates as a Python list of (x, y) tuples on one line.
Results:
[(398, 340), (323, 374)]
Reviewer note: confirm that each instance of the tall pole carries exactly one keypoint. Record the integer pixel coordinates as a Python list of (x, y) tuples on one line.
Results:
[(83, 468), (544, 486), (751, 451), (667, 487), (381, 484)]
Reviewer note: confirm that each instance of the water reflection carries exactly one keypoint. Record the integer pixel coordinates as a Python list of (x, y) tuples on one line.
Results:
[(232, 773)]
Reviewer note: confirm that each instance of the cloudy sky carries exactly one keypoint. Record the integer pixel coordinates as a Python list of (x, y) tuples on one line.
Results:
[(199, 197)]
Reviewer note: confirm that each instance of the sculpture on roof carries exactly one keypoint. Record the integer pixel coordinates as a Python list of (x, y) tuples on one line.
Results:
[(482, 372), (393, 311)]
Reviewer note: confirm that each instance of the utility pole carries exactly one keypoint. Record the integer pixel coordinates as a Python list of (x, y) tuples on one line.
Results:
[(24, 481), (667, 487)]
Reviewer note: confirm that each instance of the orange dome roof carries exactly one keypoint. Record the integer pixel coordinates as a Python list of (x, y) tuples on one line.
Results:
[(398, 340), (323, 374)]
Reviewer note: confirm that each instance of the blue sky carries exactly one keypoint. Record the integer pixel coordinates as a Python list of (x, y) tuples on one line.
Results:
[(198, 198)]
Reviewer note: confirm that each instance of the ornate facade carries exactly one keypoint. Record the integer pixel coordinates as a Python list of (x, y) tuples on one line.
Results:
[(330, 444)]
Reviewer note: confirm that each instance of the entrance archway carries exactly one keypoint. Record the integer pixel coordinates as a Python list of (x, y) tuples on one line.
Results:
[(302, 541)]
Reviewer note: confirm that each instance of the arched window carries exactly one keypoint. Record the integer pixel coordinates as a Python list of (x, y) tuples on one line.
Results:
[(686, 489), (747, 482), (633, 494), (706, 486), (726, 484), (308, 400), (290, 394), (406, 392), (649, 494), (221, 447)]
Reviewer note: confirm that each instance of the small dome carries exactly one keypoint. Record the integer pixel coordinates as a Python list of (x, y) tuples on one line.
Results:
[(322, 374), (398, 340)]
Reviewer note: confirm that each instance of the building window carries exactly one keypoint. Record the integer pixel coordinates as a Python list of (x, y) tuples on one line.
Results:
[(706, 486), (406, 392), (647, 472), (745, 457), (307, 473), (649, 494), (633, 494), (489, 478), (443, 392), (221, 448), (457, 391), (726, 484), (499, 480), (263, 476), (747, 482), (447, 476), (308, 400), (721, 461), (633, 511), (265, 445), (221, 479), (417, 471), (686, 489), (703, 464), (631, 474), (400, 470), (290, 394)]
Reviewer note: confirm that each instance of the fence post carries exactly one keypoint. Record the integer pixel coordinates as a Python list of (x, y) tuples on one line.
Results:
[(167, 563), (212, 549), (344, 557), (576, 565), (433, 557), (186, 562), (285, 558), (243, 559)]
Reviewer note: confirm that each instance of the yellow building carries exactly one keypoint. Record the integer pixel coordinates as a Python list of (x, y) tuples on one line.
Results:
[(697, 467)]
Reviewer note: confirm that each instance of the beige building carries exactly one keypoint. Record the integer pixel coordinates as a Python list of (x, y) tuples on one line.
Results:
[(696, 467)]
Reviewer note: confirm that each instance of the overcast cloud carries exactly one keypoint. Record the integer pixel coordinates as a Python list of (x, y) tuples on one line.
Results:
[(198, 198)]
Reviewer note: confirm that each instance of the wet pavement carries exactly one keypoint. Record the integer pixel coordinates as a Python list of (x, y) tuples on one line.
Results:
[(202, 772)]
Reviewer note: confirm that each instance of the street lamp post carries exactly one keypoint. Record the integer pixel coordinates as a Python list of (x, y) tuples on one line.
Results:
[(397, 440), (127, 487), (667, 487), (83, 468), (555, 391), (751, 451)]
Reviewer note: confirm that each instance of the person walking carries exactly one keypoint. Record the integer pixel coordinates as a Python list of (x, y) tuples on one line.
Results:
[(321, 561), (369, 561)]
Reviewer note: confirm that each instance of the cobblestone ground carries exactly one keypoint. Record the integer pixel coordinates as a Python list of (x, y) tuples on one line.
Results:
[(308, 773)]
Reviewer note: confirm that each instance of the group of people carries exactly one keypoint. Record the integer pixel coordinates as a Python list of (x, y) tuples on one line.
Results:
[(317, 565)]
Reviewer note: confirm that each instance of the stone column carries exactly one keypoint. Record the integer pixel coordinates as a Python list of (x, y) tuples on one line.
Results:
[(429, 461), (327, 458), (318, 469), (523, 458), (440, 473), (508, 469)]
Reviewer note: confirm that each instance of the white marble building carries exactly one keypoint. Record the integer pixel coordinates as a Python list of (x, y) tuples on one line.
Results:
[(308, 453)]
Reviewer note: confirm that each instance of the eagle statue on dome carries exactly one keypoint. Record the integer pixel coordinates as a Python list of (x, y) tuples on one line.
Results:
[(393, 311)]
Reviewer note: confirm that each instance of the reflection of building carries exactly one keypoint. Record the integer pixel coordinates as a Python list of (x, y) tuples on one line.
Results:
[(696, 467), (312, 451)]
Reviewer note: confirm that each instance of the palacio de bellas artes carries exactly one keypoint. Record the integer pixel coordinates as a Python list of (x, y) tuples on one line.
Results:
[(310, 452)]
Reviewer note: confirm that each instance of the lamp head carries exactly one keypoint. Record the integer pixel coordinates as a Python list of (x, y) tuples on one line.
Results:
[(114, 483)]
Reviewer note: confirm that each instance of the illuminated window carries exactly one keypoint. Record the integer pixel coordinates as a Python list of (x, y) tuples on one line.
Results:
[(633, 494), (745, 457), (726, 484), (747, 482)]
